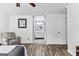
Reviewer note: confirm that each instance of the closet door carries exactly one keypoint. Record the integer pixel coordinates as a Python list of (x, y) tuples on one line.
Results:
[(56, 29), (61, 31)]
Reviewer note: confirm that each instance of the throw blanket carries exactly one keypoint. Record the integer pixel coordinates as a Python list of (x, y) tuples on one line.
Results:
[(6, 49), (9, 48)]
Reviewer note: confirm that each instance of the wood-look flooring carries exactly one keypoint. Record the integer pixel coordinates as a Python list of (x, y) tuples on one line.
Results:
[(46, 50)]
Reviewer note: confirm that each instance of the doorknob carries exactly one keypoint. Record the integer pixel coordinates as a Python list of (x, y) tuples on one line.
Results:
[(58, 32)]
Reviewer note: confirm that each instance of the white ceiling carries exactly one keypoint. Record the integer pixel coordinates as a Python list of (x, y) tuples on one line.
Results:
[(41, 8)]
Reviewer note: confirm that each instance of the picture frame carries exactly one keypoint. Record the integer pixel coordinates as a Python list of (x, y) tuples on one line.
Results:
[(22, 23)]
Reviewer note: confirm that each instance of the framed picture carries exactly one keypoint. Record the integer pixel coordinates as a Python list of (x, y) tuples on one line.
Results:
[(22, 23)]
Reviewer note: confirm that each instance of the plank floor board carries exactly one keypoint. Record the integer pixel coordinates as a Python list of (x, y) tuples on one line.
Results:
[(46, 50)]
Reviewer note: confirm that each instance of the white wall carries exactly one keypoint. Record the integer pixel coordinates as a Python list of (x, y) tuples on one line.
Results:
[(24, 33), (73, 27), (7, 23), (4, 22), (56, 23)]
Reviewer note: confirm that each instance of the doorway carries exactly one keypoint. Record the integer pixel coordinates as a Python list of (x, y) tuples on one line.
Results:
[(39, 29)]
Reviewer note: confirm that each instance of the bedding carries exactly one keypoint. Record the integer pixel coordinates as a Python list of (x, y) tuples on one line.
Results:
[(12, 50)]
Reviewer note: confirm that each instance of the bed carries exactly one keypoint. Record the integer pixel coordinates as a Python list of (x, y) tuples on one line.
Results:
[(13, 50)]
